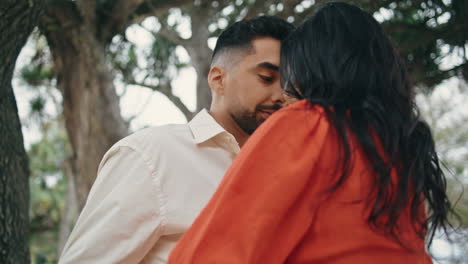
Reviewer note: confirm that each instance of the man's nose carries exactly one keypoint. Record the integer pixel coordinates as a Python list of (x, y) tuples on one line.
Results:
[(289, 99), (278, 96)]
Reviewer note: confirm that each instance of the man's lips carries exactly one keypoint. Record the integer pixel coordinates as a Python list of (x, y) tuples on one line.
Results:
[(266, 113)]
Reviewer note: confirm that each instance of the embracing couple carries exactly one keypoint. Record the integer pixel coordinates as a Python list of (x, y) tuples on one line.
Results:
[(312, 152)]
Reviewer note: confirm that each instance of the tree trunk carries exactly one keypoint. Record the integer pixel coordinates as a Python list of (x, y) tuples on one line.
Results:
[(200, 55), (17, 20), (201, 61), (90, 103)]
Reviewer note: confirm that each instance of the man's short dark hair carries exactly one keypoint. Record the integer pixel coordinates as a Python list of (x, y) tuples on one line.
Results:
[(239, 36)]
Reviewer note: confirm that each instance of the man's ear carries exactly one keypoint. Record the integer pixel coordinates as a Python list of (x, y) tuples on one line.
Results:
[(216, 79)]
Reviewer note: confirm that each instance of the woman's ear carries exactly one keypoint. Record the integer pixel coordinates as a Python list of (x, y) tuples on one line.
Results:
[(216, 79)]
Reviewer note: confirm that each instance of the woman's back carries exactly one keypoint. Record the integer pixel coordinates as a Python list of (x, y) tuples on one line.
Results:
[(340, 232)]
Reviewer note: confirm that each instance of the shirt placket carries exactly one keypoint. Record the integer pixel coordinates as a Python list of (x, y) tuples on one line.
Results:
[(230, 143)]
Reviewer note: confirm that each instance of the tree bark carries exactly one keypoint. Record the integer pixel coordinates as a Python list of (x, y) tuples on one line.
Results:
[(17, 20), (200, 54), (90, 103)]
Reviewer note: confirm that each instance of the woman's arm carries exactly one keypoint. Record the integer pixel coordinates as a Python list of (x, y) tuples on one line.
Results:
[(261, 209)]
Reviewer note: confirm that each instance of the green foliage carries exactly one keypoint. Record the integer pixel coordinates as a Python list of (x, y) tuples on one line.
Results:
[(444, 112), (39, 71), (156, 63), (123, 58), (37, 104), (48, 189), (431, 35), (36, 74), (161, 57), (427, 33)]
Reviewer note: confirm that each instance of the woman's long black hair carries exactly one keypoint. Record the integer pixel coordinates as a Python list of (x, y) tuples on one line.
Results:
[(341, 59)]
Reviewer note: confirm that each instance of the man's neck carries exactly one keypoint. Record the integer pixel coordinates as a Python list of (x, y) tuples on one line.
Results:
[(230, 126)]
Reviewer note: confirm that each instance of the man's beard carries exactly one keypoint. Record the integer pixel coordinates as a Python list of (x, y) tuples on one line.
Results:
[(248, 121)]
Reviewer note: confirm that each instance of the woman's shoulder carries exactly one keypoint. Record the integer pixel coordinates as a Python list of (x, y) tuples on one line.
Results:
[(293, 118), (298, 110)]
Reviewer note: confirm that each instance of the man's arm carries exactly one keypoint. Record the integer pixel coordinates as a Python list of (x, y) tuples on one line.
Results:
[(121, 220)]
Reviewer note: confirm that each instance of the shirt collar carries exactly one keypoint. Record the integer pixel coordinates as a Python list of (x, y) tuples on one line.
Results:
[(204, 127)]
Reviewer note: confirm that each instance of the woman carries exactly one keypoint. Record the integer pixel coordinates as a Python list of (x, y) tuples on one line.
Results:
[(341, 176)]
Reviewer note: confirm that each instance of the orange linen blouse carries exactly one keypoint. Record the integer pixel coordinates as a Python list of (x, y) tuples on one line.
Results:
[(271, 206)]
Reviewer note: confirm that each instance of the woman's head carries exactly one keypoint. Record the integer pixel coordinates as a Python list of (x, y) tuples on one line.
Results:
[(341, 59)]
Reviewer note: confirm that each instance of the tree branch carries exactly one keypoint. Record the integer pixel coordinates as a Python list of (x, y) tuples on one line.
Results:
[(257, 7), (60, 22), (167, 33), (158, 7), (125, 12), (88, 12), (171, 35), (145, 104), (425, 34), (166, 89), (119, 17), (288, 9), (221, 5), (61, 14)]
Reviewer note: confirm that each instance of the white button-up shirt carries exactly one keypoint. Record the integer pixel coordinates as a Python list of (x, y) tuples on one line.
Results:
[(150, 187)]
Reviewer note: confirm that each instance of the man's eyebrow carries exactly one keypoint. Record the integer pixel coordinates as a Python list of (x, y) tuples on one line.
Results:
[(268, 65)]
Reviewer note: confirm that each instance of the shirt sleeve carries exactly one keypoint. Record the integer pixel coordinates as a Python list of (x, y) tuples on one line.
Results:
[(262, 209), (122, 219)]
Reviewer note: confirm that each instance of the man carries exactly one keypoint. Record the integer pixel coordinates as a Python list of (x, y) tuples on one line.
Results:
[(152, 185)]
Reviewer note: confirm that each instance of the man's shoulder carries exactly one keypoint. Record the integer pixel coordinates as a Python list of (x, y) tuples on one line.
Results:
[(155, 138)]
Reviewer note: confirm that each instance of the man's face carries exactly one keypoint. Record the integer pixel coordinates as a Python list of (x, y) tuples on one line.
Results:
[(252, 87)]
